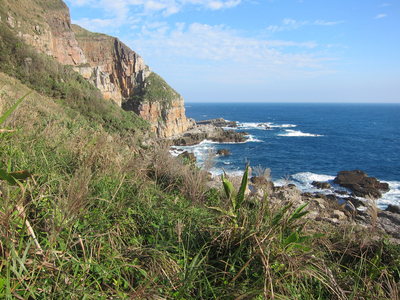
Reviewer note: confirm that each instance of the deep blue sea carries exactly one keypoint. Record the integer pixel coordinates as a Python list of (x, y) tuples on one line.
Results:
[(307, 142)]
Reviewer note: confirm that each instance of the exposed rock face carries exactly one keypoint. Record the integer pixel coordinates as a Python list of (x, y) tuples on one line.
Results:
[(360, 184), (112, 67), (117, 71), (173, 120)]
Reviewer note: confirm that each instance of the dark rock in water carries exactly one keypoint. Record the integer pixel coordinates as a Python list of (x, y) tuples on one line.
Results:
[(360, 184), (266, 127), (321, 185), (291, 185), (393, 209), (187, 157), (223, 152), (220, 122)]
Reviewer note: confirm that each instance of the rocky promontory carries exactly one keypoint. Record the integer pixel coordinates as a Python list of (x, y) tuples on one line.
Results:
[(210, 132)]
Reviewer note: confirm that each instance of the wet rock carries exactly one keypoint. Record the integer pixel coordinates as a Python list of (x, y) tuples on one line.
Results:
[(321, 185), (223, 152), (360, 184), (393, 209)]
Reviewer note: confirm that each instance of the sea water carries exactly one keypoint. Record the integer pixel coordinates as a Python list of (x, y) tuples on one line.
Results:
[(301, 143)]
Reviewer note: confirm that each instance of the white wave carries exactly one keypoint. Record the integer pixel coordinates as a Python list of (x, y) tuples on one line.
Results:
[(231, 173), (391, 197), (251, 125), (262, 125), (272, 125), (308, 177), (298, 133), (252, 139), (303, 181)]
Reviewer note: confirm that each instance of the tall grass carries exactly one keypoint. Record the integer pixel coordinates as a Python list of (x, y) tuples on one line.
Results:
[(117, 221)]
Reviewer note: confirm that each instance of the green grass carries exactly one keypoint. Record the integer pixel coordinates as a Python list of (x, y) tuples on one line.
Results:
[(155, 89)]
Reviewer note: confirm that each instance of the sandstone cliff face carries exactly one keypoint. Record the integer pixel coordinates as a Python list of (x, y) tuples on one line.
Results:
[(117, 71), (173, 120), (111, 66)]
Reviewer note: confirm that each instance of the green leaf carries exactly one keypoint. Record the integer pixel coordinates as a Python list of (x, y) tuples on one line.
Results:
[(279, 215), (6, 177), (292, 238), (11, 177), (229, 189), (12, 108), (297, 214), (243, 187), (223, 211)]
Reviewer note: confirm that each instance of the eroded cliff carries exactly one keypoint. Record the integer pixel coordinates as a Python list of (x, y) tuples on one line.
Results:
[(117, 71)]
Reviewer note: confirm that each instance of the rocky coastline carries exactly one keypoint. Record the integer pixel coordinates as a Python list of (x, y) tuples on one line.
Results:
[(348, 209), (353, 205)]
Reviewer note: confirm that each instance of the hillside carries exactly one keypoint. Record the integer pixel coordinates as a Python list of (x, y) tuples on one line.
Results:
[(118, 72)]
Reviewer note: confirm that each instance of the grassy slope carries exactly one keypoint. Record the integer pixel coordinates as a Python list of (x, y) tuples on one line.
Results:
[(115, 220)]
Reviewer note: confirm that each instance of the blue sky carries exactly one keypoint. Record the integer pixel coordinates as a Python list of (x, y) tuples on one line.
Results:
[(260, 50)]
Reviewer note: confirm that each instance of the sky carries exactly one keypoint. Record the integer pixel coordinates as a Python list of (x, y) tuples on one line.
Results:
[(260, 50)]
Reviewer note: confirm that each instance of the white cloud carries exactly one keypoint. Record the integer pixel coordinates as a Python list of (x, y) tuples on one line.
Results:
[(380, 16), (222, 45), (291, 24)]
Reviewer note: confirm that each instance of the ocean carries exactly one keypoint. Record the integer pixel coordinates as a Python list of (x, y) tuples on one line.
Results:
[(302, 142)]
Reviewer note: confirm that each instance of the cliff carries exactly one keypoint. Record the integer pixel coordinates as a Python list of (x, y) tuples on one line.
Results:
[(117, 71)]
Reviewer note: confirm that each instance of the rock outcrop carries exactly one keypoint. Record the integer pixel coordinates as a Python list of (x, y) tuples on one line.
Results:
[(360, 184), (220, 122), (209, 132), (116, 70)]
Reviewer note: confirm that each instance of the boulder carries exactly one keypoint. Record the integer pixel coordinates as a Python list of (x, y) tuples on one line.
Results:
[(321, 185), (223, 152), (360, 184)]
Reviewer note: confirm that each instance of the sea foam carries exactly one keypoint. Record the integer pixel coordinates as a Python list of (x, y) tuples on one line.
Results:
[(297, 133)]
